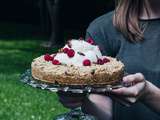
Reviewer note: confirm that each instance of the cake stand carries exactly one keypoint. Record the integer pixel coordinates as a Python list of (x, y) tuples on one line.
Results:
[(75, 114)]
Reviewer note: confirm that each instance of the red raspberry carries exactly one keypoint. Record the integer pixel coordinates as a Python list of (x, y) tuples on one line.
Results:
[(100, 61), (106, 60), (47, 57), (87, 62), (65, 50), (90, 40), (56, 62), (71, 53)]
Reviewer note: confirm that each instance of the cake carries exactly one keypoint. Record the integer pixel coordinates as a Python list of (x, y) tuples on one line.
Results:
[(79, 62)]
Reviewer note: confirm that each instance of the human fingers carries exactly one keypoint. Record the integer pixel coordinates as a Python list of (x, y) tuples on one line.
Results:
[(134, 78), (131, 100), (70, 102), (70, 98), (132, 91)]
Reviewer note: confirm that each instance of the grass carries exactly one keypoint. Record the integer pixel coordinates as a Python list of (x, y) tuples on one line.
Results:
[(19, 101)]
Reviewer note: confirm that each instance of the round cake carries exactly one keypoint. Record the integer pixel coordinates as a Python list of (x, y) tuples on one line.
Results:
[(79, 62)]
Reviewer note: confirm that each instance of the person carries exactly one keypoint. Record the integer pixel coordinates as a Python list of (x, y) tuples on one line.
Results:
[(131, 34)]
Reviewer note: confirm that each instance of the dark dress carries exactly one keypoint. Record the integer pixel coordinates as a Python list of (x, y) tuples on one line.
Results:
[(141, 57)]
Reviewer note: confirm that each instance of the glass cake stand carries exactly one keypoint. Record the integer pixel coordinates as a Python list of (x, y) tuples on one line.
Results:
[(74, 114)]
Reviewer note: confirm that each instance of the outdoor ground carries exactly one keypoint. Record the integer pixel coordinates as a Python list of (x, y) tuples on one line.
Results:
[(19, 101)]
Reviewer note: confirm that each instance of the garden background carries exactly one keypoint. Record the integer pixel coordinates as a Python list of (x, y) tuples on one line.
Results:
[(21, 35)]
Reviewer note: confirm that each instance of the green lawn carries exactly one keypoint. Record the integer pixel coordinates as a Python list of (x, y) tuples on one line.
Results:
[(19, 101)]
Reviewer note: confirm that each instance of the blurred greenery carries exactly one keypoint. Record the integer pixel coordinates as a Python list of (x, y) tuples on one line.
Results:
[(19, 101), (18, 47)]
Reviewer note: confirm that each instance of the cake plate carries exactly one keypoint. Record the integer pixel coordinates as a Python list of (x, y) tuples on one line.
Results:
[(75, 114)]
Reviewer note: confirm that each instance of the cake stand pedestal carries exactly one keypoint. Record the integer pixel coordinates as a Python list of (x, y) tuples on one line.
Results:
[(75, 114)]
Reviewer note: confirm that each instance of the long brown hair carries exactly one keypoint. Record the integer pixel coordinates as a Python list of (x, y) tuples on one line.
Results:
[(126, 18)]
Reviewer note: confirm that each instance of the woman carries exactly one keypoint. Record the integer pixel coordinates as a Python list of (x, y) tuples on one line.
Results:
[(131, 33)]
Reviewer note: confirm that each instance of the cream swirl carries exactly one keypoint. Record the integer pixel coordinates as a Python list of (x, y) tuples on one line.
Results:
[(83, 50)]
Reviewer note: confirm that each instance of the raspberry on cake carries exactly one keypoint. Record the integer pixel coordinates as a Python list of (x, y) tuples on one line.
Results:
[(65, 50), (87, 62), (47, 57), (90, 40), (75, 64)]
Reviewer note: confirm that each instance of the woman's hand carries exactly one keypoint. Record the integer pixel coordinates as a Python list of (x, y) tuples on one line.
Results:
[(136, 91), (71, 100), (141, 89)]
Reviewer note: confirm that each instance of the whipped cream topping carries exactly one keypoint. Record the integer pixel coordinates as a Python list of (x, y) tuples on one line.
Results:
[(83, 50)]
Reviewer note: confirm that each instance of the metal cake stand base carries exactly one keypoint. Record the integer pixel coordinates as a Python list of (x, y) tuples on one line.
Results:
[(75, 114)]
